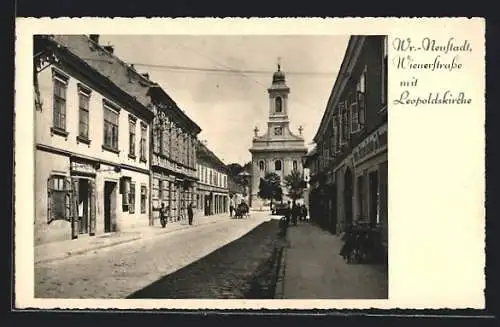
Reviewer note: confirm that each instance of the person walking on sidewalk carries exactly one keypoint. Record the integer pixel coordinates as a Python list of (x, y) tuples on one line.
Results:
[(303, 213), (163, 215), (190, 213), (231, 208)]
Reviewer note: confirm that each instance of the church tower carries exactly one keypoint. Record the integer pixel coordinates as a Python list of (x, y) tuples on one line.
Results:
[(278, 150)]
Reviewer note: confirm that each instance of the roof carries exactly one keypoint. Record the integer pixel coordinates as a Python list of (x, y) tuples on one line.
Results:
[(204, 153), (122, 75)]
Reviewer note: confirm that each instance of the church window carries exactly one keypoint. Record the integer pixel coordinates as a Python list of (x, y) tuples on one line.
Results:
[(261, 165), (278, 131), (277, 165), (278, 104)]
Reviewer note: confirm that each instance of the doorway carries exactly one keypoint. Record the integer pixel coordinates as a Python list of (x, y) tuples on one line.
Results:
[(109, 207), (374, 198), (83, 205), (348, 197)]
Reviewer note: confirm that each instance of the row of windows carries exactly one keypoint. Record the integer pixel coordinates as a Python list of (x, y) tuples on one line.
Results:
[(277, 165), (350, 115), (171, 141), (209, 176), (167, 193), (110, 121)]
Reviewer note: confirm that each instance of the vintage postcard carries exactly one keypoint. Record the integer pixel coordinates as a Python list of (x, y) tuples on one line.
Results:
[(296, 163)]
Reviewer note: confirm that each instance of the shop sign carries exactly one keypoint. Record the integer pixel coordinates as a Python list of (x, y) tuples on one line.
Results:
[(372, 145), (82, 167)]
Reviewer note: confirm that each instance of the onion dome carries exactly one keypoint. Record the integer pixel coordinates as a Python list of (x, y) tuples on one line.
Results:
[(278, 76)]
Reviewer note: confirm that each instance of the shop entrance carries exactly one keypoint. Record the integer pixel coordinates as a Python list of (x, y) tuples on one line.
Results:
[(109, 207), (348, 197), (83, 205), (374, 198)]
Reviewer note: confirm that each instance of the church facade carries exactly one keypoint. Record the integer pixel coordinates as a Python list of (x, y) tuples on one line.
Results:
[(277, 150)]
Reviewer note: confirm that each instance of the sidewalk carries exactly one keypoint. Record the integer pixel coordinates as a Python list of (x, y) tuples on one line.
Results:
[(313, 269), (61, 250)]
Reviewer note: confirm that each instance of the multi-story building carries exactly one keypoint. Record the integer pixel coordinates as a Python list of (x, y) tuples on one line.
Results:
[(351, 180), (173, 162), (212, 188), (278, 150), (92, 125)]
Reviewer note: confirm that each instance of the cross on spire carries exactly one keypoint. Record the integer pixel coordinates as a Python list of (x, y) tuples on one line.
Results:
[(256, 130), (300, 129)]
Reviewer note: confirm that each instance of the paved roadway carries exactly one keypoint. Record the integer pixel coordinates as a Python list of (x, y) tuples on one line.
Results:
[(118, 271)]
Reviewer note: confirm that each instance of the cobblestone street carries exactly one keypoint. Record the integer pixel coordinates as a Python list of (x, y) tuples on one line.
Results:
[(245, 268), (118, 271)]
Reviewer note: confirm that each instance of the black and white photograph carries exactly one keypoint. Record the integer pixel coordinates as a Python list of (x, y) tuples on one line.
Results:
[(245, 166), (135, 201)]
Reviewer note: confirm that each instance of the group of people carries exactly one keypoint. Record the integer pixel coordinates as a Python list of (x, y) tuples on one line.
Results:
[(164, 214), (239, 210), (296, 212)]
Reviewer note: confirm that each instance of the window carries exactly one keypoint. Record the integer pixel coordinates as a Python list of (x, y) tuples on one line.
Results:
[(384, 69), (294, 165), (279, 103), (110, 128), (131, 198), (155, 195), (143, 141), (277, 165), (278, 131), (156, 136), (59, 114), (83, 104), (165, 139), (344, 122), (59, 198), (131, 133), (354, 113), (261, 165), (144, 195), (336, 133), (211, 179)]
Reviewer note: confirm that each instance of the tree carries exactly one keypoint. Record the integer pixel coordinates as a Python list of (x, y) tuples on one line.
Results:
[(294, 182), (270, 188)]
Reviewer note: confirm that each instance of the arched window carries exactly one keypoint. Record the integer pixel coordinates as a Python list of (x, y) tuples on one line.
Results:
[(278, 104), (277, 165), (261, 165), (295, 165)]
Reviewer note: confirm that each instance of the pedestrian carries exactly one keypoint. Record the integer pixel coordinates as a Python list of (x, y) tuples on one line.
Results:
[(190, 213), (231, 208), (163, 218), (288, 213), (304, 212)]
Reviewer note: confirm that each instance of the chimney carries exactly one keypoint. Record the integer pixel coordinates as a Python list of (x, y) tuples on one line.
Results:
[(94, 37), (109, 48), (146, 75)]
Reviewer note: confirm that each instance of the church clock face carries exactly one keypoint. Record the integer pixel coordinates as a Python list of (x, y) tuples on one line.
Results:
[(278, 131)]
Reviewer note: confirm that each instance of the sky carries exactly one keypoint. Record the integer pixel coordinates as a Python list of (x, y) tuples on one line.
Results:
[(229, 105)]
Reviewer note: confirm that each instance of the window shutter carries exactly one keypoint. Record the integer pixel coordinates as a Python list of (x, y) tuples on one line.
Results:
[(361, 109), (68, 199), (50, 200), (92, 208)]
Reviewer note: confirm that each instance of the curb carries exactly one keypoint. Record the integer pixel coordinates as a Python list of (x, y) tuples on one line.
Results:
[(79, 252), (118, 242), (280, 282)]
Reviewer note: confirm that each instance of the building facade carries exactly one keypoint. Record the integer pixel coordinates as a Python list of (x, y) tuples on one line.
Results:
[(173, 161), (278, 150), (92, 125), (349, 182), (212, 195)]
